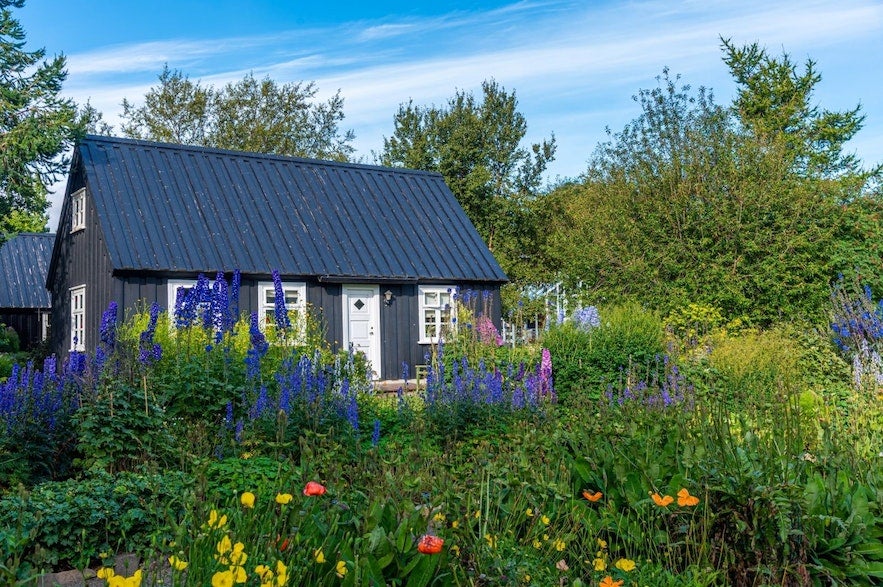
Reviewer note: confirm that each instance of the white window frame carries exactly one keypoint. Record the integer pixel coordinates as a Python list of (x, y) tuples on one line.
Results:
[(267, 308), (442, 312), (78, 318), (78, 210)]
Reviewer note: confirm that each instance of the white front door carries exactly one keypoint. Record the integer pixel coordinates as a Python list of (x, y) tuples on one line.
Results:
[(361, 322)]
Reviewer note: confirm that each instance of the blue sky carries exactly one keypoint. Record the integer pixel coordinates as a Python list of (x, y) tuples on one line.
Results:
[(574, 65)]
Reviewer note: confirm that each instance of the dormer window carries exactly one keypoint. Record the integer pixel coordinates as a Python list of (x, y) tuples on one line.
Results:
[(78, 210)]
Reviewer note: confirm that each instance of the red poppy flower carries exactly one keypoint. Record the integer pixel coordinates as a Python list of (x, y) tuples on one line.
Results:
[(281, 544), (313, 488), (429, 544)]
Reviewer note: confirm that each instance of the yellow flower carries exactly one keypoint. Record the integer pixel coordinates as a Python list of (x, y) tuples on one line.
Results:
[(238, 556), (247, 499), (477, 514), (455, 524), (491, 540), (319, 556), (120, 581), (105, 573), (215, 522), (537, 544), (224, 546), (560, 545), (602, 544), (545, 520), (529, 512), (599, 564), (625, 564), (546, 537), (281, 574), (526, 578), (246, 455), (222, 579), (340, 569), (239, 574), (177, 564), (283, 498), (456, 550), (265, 574), (438, 517)]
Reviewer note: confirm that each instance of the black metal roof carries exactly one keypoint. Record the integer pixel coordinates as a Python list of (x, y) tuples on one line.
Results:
[(24, 260), (174, 208)]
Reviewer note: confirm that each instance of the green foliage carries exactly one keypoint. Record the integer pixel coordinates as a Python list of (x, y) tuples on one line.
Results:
[(9, 342), (249, 115), (36, 125), (123, 428), (476, 146), (775, 102), (751, 208), (67, 524), (628, 339)]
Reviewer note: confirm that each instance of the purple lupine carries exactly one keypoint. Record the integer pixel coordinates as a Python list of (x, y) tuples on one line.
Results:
[(279, 307), (487, 332), (234, 294), (108, 328), (375, 433), (587, 318), (259, 347), (220, 307), (185, 307), (147, 349)]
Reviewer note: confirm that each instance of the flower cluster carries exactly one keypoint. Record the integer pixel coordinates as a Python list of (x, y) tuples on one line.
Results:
[(587, 318)]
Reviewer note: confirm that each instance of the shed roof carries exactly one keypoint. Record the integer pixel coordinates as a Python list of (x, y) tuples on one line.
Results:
[(24, 260), (174, 208)]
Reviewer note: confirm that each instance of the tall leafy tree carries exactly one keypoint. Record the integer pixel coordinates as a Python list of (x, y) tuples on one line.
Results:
[(36, 125), (250, 114), (476, 144), (691, 203), (774, 101)]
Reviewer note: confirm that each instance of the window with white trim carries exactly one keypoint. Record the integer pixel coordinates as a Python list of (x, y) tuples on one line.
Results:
[(78, 210), (436, 310), (78, 318), (295, 303)]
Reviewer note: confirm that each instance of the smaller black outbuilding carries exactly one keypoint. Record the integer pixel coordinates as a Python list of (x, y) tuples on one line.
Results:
[(24, 299)]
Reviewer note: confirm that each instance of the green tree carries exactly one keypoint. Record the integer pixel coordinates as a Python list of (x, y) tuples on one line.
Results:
[(476, 145), (36, 125), (775, 102), (250, 115), (687, 204)]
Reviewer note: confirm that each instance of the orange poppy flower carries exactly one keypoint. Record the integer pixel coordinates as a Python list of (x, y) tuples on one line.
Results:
[(429, 544), (313, 488), (662, 501), (282, 544), (593, 497), (685, 499), (609, 582)]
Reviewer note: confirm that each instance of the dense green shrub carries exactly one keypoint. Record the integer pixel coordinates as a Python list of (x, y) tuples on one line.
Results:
[(585, 361), (68, 524), (9, 342)]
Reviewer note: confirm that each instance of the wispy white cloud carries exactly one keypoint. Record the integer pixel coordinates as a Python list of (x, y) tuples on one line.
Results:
[(574, 64)]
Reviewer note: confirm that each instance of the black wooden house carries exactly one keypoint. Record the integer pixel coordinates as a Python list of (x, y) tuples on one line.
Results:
[(24, 300), (378, 250)]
